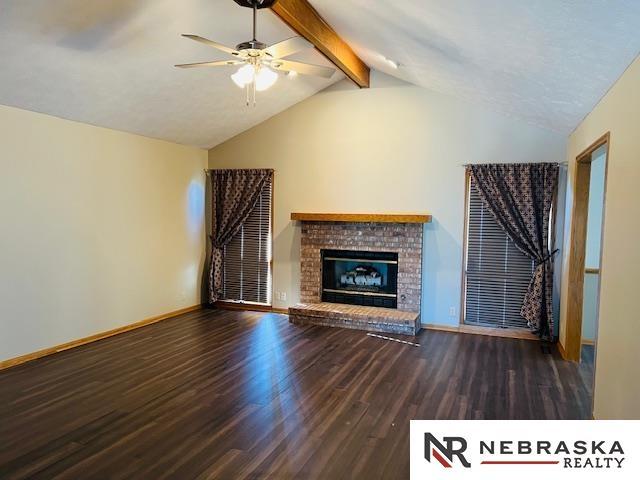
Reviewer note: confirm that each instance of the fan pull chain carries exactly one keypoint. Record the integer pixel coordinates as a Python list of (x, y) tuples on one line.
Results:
[(254, 91), (250, 91)]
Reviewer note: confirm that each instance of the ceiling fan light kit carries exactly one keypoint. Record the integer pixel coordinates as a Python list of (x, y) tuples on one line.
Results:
[(258, 62), (263, 77)]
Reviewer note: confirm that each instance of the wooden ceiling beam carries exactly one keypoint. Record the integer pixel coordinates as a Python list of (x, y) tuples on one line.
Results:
[(304, 19)]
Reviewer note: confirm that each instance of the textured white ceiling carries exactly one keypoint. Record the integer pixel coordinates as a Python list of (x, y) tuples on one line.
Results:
[(110, 63), (547, 61)]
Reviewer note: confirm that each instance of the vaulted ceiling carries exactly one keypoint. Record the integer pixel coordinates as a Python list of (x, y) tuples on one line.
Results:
[(110, 63), (546, 61)]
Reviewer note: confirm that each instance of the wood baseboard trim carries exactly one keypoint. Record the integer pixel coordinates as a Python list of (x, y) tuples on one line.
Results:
[(491, 332), (12, 362), (248, 307)]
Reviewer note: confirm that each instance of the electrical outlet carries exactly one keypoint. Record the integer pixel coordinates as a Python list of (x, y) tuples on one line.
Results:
[(283, 296), (452, 311)]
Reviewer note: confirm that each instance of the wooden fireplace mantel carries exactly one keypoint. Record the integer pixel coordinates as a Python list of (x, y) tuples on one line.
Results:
[(361, 217)]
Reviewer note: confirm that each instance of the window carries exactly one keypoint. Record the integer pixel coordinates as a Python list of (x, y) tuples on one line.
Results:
[(497, 274), (247, 258)]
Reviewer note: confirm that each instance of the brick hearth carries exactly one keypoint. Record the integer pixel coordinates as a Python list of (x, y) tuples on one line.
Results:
[(356, 317), (403, 238)]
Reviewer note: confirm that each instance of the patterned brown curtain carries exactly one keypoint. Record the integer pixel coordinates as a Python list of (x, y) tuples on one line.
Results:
[(234, 194), (520, 197)]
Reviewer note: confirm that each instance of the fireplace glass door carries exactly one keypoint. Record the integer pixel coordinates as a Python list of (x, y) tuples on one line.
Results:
[(360, 278)]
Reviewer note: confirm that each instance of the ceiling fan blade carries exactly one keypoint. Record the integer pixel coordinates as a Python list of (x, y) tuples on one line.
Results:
[(221, 63), (211, 43), (302, 68), (287, 47)]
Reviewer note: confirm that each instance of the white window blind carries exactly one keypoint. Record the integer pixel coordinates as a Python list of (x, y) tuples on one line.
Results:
[(497, 274), (247, 258)]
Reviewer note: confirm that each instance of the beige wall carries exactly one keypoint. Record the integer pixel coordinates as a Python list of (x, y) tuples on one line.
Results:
[(617, 393), (391, 148), (99, 229)]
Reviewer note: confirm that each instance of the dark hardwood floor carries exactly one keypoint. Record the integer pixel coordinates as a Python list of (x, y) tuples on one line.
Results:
[(219, 394)]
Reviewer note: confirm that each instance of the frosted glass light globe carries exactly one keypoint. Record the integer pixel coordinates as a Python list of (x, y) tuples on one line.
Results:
[(244, 76), (265, 79)]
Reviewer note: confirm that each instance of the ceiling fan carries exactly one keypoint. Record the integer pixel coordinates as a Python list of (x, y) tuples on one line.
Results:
[(259, 62)]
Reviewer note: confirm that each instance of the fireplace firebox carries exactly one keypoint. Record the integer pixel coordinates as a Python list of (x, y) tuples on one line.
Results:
[(360, 278)]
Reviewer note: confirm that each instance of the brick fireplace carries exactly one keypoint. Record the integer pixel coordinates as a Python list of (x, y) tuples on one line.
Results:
[(377, 285)]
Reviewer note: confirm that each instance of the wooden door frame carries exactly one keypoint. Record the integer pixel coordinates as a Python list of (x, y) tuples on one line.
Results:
[(577, 248)]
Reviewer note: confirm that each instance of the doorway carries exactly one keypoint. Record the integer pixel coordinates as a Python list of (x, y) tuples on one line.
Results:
[(585, 251)]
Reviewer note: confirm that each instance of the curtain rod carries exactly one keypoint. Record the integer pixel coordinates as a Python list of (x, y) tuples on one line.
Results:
[(209, 170), (561, 164)]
